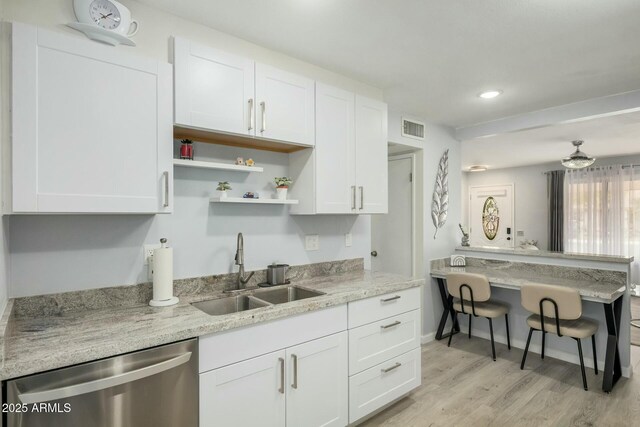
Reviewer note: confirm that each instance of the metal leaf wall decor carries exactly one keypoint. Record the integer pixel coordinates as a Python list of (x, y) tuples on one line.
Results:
[(440, 201)]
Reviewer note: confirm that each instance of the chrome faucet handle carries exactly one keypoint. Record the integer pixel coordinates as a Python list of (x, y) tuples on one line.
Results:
[(244, 280)]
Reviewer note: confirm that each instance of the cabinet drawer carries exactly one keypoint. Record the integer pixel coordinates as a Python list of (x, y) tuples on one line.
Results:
[(383, 306), (376, 342), (382, 384)]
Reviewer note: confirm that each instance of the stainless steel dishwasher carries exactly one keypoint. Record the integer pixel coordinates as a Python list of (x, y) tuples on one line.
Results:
[(156, 387)]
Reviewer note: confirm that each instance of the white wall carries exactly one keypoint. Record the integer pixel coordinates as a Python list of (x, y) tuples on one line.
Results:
[(4, 134), (530, 194), (69, 252), (437, 140)]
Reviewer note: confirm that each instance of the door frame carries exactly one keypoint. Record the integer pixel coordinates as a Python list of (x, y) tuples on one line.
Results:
[(414, 215), (513, 205)]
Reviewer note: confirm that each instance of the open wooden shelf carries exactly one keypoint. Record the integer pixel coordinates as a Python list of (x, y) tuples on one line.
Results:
[(234, 140), (255, 201), (214, 165)]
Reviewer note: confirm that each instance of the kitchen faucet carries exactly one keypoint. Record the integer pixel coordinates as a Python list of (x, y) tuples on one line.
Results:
[(242, 280)]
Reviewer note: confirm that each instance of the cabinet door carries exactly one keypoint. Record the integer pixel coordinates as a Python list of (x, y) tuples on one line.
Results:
[(285, 106), (317, 386), (91, 127), (214, 90), (248, 393), (371, 155), (335, 150)]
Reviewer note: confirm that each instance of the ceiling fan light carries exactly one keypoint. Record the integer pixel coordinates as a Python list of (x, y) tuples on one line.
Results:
[(578, 160)]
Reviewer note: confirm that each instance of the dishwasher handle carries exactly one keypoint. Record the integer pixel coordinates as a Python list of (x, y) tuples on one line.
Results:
[(103, 383)]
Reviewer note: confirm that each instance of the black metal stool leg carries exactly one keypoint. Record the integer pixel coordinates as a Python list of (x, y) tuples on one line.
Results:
[(506, 321), (453, 325), (584, 375), (493, 345), (469, 325), (544, 334), (595, 356), (526, 349)]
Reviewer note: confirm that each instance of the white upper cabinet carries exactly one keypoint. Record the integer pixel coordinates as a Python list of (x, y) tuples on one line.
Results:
[(223, 93), (335, 150), (347, 170), (213, 89), (91, 127), (371, 156), (284, 106)]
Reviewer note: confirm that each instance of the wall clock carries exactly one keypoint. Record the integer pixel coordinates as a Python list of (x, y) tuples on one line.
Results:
[(106, 21)]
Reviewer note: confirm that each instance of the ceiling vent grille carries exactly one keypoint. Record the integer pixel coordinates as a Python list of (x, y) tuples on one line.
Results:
[(412, 129)]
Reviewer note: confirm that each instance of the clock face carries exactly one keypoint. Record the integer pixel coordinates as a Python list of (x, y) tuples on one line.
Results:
[(105, 14)]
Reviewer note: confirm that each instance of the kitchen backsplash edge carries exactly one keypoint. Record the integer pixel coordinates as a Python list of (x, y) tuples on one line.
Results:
[(140, 294)]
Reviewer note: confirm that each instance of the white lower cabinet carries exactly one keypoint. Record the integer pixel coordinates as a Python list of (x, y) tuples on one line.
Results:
[(384, 350), (304, 385), (372, 389), (317, 386), (248, 393)]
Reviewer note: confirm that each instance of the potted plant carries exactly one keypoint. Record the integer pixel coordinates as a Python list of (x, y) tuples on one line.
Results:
[(223, 186), (282, 185)]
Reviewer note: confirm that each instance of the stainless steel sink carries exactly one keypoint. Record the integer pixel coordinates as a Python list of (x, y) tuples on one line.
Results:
[(288, 294), (228, 305)]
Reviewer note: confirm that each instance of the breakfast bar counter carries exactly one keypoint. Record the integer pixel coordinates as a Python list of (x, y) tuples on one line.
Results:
[(596, 285)]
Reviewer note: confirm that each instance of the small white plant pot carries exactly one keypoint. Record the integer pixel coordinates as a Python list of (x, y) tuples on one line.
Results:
[(282, 193), (223, 194)]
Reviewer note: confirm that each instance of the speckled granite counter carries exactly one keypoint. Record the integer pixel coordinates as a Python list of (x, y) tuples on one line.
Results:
[(38, 343), (593, 285)]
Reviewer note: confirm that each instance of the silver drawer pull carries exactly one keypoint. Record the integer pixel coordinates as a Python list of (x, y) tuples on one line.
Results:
[(281, 388), (390, 298), (391, 325), (385, 370)]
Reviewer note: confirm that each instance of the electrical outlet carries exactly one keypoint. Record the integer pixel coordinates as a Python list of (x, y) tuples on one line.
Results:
[(312, 242), (520, 233), (147, 252), (348, 240)]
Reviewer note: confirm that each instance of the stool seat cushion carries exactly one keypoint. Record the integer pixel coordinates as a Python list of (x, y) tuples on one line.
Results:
[(488, 308), (579, 328)]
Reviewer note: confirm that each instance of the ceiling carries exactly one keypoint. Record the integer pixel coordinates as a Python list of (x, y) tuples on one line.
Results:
[(616, 135), (433, 57)]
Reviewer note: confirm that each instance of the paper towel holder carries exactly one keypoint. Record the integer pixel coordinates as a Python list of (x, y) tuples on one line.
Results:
[(157, 284)]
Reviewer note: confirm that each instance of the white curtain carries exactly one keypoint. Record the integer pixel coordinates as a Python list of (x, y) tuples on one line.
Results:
[(602, 212)]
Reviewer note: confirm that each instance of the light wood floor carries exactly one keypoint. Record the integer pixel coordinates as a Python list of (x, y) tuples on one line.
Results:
[(463, 386)]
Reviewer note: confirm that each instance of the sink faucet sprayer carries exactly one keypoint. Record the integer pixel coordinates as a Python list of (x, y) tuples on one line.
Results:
[(242, 280)]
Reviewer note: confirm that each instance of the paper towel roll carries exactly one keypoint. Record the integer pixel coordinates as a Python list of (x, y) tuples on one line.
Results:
[(162, 274)]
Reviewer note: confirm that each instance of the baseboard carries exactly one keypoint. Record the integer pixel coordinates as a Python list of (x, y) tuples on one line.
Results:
[(428, 338), (556, 354)]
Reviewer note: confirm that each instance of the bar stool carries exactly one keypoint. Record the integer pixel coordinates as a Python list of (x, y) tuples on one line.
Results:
[(471, 295), (558, 310)]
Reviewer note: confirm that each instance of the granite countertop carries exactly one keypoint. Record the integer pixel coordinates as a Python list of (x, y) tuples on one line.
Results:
[(593, 285), (548, 254), (39, 343)]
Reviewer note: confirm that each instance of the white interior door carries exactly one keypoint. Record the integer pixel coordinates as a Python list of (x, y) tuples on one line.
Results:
[(392, 234), (491, 219)]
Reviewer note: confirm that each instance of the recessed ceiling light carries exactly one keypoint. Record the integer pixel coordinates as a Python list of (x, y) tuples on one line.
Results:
[(489, 94), (477, 168)]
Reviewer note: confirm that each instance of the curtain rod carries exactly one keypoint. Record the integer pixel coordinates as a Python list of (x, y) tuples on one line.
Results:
[(598, 167)]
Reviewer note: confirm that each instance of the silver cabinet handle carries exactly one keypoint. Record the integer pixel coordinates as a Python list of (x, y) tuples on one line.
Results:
[(295, 371), (264, 117), (353, 197), (103, 383), (165, 202), (281, 389), (361, 198), (391, 325), (391, 368), (393, 298), (251, 122)]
